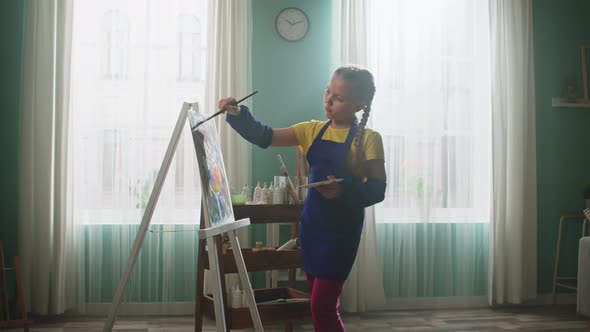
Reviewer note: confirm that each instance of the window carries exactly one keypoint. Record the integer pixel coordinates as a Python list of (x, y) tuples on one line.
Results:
[(115, 48), (190, 51), (127, 58), (433, 108)]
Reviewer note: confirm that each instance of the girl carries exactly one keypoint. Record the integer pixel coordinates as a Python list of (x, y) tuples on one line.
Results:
[(333, 214)]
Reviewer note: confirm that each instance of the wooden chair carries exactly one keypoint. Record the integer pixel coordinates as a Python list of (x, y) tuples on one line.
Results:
[(582, 260), (586, 221), (567, 282), (5, 319)]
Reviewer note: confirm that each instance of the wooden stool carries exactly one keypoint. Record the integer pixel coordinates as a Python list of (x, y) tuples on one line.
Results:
[(565, 217), (5, 320)]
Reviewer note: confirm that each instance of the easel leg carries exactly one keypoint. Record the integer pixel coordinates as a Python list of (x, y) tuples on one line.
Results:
[(221, 271), (147, 216), (248, 292), (217, 291), (292, 276), (200, 286)]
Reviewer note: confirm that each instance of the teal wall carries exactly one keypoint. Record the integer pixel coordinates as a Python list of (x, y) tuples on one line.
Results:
[(563, 140), (11, 39), (291, 78)]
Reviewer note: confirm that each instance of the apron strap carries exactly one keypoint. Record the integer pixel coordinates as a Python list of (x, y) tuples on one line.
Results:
[(322, 131), (349, 138)]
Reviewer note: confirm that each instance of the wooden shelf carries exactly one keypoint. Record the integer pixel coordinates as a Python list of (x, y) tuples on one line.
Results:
[(580, 103), (264, 260), (260, 261), (268, 214), (239, 318)]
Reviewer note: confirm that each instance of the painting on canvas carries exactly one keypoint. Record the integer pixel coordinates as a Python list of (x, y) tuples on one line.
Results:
[(214, 181)]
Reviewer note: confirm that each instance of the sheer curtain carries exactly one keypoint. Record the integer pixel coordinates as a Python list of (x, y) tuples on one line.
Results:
[(229, 55), (431, 62), (134, 63), (363, 289), (47, 231), (94, 135), (513, 277)]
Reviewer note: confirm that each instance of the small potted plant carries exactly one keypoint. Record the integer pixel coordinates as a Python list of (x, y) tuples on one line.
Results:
[(586, 194)]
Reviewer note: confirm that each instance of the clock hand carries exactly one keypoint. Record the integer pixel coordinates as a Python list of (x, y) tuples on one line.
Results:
[(288, 21), (297, 22)]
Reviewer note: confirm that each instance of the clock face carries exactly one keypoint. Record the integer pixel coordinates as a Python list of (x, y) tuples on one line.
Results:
[(292, 24)]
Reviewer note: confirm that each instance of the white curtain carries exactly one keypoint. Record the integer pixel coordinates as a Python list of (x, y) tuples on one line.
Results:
[(95, 128), (363, 290), (134, 63), (513, 265), (431, 62), (230, 63), (432, 107), (46, 228)]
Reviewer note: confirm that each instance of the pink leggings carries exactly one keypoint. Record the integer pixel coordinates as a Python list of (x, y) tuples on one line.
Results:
[(325, 301)]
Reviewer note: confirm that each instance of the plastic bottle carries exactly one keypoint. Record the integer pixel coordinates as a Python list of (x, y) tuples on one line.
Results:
[(257, 194), (246, 192), (236, 298), (270, 193), (264, 195), (278, 196)]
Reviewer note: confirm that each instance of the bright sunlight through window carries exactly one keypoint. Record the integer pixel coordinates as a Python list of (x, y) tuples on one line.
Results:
[(433, 108), (133, 65)]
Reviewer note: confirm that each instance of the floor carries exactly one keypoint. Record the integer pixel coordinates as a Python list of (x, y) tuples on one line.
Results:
[(544, 318)]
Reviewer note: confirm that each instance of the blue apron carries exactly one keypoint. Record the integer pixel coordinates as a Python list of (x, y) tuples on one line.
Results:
[(330, 228)]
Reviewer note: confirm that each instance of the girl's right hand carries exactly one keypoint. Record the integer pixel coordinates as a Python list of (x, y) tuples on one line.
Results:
[(332, 190), (229, 105)]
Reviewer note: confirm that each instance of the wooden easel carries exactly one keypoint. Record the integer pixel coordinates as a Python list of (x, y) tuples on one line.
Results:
[(5, 319), (206, 233), (296, 308), (211, 235)]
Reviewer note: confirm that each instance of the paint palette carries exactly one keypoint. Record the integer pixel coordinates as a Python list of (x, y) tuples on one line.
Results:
[(319, 183)]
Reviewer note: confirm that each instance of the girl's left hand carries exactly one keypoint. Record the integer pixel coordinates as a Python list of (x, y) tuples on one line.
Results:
[(330, 191)]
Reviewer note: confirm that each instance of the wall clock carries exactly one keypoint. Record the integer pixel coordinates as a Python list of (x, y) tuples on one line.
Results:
[(292, 24)]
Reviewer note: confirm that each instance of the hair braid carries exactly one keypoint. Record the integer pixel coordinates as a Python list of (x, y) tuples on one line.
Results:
[(364, 90), (358, 137)]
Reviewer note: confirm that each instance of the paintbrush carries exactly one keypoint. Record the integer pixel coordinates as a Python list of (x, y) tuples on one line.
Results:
[(289, 185), (223, 110)]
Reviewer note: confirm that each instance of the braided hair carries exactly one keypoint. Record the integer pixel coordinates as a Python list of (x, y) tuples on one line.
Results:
[(364, 90)]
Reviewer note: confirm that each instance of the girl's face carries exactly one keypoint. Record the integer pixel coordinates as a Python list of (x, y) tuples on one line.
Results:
[(339, 101)]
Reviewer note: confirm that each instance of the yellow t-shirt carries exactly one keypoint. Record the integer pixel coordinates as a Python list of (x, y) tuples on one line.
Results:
[(307, 131)]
